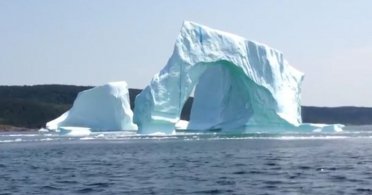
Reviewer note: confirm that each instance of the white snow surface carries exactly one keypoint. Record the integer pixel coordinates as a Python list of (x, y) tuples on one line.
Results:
[(102, 108), (238, 83)]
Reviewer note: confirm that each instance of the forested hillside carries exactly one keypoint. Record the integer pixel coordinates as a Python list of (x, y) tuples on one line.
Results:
[(33, 106)]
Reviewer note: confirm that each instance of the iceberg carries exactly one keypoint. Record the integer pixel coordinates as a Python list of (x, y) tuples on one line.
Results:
[(238, 83), (102, 108)]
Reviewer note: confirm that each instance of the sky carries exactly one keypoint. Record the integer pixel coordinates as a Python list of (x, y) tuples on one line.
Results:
[(91, 42)]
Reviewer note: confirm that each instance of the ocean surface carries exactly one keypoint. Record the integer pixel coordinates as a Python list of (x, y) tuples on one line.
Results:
[(213, 163)]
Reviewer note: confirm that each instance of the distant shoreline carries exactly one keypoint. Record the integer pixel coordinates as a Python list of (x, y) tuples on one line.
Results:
[(29, 108), (9, 128)]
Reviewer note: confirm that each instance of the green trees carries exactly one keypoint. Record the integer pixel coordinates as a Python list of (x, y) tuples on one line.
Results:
[(33, 106)]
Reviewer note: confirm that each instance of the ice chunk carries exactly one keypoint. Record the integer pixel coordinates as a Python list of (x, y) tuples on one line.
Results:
[(321, 127), (182, 125), (103, 108), (74, 131), (238, 83)]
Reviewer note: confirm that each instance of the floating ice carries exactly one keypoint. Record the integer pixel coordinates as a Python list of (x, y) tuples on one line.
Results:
[(238, 83), (103, 108)]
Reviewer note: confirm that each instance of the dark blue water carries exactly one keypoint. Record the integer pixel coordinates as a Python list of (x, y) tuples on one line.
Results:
[(195, 164)]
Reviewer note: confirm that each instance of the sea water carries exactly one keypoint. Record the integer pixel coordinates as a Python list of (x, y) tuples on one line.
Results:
[(213, 163)]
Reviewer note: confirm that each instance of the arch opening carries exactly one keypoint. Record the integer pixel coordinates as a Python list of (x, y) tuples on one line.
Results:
[(221, 98)]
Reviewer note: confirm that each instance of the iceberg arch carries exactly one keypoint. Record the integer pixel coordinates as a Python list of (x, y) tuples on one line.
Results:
[(102, 108), (238, 83)]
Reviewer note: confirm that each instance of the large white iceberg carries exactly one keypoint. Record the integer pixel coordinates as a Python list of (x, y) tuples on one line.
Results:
[(239, 83), (102, 108)]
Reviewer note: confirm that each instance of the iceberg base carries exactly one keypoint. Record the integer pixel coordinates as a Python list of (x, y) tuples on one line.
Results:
[(154, 128)]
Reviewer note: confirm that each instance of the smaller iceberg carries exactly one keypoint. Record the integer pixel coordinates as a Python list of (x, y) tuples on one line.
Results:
[(102, 108)]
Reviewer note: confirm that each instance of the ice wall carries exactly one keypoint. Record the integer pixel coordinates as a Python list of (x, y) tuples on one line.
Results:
[(103, 108), (255, 84)]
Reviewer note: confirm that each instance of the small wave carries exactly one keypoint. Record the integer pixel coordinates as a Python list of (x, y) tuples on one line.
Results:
[(85, 190), (47, 139), (87, 138), (6, 141), (19, 135)]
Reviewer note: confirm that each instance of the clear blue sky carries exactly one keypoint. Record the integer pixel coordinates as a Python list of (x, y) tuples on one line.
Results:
[(92, 42)]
